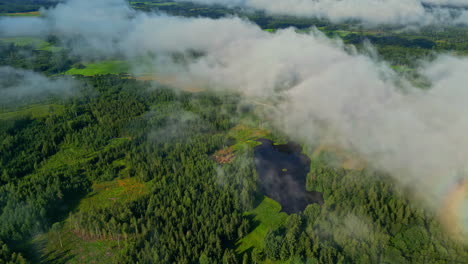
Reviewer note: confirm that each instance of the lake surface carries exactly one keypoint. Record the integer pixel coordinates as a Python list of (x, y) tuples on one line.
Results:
[(282, 172)]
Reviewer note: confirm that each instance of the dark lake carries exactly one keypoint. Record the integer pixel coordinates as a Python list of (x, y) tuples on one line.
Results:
[(282, 172)]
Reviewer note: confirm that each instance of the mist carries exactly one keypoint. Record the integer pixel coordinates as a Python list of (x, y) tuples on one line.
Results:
[(369, 12), (17, 84), (319, 89)]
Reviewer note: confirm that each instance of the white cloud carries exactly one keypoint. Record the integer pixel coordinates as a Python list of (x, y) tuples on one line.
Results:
[(16, 84)]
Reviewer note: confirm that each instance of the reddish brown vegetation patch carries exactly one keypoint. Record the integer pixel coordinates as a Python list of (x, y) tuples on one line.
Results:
[(224, 156)]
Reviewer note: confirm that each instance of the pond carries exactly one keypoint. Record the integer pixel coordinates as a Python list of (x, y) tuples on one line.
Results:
[(282, 172)]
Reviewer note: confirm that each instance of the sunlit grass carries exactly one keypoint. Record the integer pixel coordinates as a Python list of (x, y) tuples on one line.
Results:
[(246, 135), (74, 155), (36, 43), (268, 216), (108, 193), (100, 68), (74, 249)]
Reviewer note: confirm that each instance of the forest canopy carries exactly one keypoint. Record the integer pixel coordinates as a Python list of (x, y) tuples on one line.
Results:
[(135, 137)]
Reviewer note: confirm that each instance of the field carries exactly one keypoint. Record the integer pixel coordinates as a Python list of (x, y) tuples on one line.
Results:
[(75, 156), (76, 248), (246, 136), (268, 216), (107, 193), (35, 111), (99, 68), (37, 43)]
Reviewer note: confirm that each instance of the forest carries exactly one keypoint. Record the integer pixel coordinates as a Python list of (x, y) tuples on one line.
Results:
[(127, 170), (18, 6), (120, 128)]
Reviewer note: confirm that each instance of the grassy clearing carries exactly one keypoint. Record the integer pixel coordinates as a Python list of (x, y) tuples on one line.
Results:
[(35, 111), (49, 47), (79, 249), (247, 136), (268, 216), (67, 156), (103, 67), (75, 249), (37, 43), (22, 14), (108, 193), (71, 155)]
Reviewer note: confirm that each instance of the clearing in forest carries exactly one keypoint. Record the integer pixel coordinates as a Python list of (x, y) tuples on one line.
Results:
[(266, 216), (106, 194), (36, 43), (76, 248), (246, 135), (100, 68)]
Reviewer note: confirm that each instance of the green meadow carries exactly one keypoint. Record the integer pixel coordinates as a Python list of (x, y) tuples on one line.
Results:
[(100, 68), (36, 43), (268, 216)]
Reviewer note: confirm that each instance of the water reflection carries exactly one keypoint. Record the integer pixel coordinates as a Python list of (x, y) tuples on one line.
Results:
[(282, 171)]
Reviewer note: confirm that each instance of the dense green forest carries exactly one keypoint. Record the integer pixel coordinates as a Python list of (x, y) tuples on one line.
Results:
[(120, 128), (125, 170), (14, 6)]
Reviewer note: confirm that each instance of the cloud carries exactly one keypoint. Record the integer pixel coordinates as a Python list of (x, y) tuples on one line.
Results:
[(461, 3), (91, 28), (321, 91), (373, 12), (20, 26), (17, 84)]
